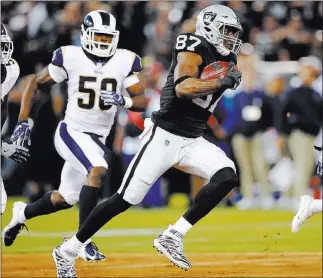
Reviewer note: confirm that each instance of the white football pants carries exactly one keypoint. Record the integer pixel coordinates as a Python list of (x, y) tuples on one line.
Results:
[(161, 150), (81, 152)]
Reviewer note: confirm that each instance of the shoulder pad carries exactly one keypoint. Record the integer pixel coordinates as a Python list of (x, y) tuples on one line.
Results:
[(137, 64), (57, 59), (134, 60), (13, 68)]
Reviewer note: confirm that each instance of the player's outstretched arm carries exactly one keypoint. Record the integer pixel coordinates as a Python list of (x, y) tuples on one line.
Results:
[(187, 83), (139, 101), (31, 83)]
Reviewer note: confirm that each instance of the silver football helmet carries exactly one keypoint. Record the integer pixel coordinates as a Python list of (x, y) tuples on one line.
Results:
[(6, 45), (221, 27), (99, 23)]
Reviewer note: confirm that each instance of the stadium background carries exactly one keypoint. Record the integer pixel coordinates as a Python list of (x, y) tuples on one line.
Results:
[(277, 36), (273, 31)]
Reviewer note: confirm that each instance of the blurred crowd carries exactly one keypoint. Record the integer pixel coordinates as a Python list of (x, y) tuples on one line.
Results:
[(267, 126)]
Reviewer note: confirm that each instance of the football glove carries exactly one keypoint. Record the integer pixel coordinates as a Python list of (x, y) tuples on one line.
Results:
[(112, 98), (14, 152), (232, 79), (21, 135)]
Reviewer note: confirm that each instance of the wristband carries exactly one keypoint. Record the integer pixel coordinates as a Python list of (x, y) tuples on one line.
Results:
[(127, 102), (181, 79)]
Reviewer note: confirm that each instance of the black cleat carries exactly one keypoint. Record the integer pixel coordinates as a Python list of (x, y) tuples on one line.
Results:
[(11, 231)]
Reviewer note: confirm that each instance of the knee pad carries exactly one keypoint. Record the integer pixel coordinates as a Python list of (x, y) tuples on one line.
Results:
[(221, 183), (226, 174), (135, 192)]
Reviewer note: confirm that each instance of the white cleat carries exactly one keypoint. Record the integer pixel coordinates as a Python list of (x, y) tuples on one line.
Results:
[(170, 244), (64, 268), (304, 212), (14, 227)]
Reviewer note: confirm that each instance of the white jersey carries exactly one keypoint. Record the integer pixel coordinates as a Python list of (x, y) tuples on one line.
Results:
[(12, 74), (86, 111)]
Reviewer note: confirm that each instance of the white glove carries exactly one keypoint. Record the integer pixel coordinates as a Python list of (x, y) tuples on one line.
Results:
[(14, 152)]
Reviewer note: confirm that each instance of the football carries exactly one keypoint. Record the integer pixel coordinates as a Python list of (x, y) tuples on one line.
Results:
[(215, 70)]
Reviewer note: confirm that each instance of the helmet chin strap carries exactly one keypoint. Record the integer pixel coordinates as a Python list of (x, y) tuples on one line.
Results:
[(222, 50)]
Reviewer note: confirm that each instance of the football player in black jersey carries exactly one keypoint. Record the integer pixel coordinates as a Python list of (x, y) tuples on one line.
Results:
[(173, 137)]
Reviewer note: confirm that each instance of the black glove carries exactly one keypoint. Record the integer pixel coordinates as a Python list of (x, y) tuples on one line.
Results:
[(233, 78)]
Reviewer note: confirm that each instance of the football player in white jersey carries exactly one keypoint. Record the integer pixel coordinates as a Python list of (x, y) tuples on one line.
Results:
[(96, 73), (9, 75)]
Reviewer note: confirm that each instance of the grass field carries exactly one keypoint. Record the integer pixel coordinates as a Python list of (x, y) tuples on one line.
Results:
[(226, 243)]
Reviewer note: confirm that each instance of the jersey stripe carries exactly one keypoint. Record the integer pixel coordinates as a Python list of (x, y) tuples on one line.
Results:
[(134, 166), (74, 147), (97, 20), (106, 20)]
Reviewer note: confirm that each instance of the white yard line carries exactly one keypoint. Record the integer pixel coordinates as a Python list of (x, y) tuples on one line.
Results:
[(101, 233), (125, 232)]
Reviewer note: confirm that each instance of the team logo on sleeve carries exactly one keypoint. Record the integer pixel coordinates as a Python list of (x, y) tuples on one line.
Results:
[(208, 18)]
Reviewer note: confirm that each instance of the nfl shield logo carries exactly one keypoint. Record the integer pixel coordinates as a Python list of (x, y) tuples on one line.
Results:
[(208, 18), (217, 66)]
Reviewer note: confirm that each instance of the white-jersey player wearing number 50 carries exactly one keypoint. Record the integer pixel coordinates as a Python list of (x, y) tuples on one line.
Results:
[(174, 137), (95, 73)]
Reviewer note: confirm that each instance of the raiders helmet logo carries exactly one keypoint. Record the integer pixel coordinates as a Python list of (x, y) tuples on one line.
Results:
[(208, 18)]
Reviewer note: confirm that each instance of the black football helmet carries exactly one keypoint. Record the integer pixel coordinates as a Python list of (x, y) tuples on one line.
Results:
[(99, 23), (6, 45)]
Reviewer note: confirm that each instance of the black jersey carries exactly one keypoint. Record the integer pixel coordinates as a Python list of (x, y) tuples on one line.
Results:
[(188, 117), (3, 73)]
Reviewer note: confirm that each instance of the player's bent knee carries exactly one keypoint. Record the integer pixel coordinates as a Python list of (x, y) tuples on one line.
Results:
[(61, 200), (136, 191), (96, 176), (225, 175)]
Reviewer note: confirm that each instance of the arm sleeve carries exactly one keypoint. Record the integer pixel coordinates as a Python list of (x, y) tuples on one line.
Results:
[(56, 68)]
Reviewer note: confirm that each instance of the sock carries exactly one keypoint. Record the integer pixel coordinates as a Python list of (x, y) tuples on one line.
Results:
[(43, 206), (182, 226), (316, 206), (211, 194), (71, 248), (89, 197), (100, 215)]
